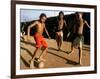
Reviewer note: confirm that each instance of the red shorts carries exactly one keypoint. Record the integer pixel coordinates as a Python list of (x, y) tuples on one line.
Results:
[(40, 41)]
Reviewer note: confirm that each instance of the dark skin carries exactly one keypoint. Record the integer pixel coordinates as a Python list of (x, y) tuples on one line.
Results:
[(61, 23), (79, 31), (40, 28)]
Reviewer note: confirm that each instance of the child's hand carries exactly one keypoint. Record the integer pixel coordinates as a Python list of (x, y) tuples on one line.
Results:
[(68, 34), (49, 37)]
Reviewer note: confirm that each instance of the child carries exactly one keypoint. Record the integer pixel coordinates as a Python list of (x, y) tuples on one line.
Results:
[(59, 29), (40, 40), (78, 38)]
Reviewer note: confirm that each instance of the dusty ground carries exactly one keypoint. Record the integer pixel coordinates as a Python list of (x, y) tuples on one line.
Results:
[(54, 58)]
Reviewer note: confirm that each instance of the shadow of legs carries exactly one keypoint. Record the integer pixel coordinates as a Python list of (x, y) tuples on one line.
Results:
[(25, 62)]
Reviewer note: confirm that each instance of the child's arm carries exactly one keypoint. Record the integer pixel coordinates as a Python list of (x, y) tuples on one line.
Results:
[(66, 27), (87, 24), (30, 26), (46, 31), (65, 23)]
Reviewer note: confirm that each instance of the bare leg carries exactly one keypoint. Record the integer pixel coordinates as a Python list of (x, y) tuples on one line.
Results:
[(43, 54), (72, 48), (80, 56), (61, 39), (60, 43), (80, 53), (34, 55), (57, 40)]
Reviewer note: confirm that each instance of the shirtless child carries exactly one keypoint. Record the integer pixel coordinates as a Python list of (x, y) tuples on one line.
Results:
[(78, 37), (39, 39), (59, 30)]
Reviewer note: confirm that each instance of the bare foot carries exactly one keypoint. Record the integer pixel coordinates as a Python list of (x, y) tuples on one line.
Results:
[(32, 64)]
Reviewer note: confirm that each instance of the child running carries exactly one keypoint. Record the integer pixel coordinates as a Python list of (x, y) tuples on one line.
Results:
[(78, 37), (39, 39), (59, 30)]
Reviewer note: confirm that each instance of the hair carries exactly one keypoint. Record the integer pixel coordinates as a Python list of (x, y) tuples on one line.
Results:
[(42, 15), (61, 12), (79, 12), (77, 16)]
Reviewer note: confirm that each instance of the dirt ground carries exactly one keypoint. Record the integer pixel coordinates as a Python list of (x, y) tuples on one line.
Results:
[(54, 58)]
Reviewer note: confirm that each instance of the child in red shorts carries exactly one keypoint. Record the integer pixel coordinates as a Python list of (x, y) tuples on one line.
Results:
[(40, 40)]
